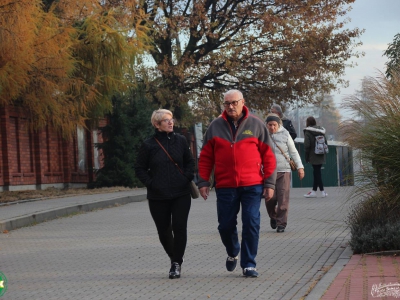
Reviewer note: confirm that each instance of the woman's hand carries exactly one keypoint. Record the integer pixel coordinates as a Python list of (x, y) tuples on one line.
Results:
[(300, 172), (204, 191)]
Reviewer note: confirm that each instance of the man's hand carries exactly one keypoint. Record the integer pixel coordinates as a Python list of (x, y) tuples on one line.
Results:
[(204, 191), (268, 193)]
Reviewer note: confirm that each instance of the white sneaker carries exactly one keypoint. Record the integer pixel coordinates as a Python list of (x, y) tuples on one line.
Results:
[(311, 194), (324, 194)]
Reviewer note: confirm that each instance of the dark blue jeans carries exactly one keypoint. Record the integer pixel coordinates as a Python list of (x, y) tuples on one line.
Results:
[(228, 206)]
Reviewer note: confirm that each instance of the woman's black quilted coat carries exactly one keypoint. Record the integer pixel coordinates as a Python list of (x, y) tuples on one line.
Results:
[(157, 172)]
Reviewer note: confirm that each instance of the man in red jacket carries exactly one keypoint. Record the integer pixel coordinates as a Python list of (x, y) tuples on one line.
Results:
[(237, 146)]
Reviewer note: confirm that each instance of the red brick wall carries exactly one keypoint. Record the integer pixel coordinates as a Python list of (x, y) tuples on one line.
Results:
[(26, 150), (1, 155), (20, 154), (40, 157), (51, 153), (13, 147), (4, 146)]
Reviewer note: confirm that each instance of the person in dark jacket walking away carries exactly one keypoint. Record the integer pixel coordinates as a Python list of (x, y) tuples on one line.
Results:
[(316, 160), (168, 187), (287, 124), (237, 146)]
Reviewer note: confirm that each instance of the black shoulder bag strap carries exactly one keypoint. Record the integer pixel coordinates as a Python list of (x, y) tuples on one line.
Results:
[(283, 153), (169, 156)]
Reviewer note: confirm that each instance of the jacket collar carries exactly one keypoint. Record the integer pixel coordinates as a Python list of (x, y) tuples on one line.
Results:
[(162, 135), (245, 112), (315, 129)]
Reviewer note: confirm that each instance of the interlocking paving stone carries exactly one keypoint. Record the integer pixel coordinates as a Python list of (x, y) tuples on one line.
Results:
[(115, 253)]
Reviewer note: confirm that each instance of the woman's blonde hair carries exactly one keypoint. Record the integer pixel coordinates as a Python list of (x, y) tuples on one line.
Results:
[(158, 114)]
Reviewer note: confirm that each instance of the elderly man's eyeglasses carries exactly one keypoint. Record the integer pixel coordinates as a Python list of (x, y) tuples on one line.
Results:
[(233, 103), (168, 121)]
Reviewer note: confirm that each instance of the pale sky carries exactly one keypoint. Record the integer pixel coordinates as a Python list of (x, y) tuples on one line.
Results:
[(381, 21)]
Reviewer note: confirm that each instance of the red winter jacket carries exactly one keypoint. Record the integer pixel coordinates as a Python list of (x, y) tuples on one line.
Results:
[(242, 160)]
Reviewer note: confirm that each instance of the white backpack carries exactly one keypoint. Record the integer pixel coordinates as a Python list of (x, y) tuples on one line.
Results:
[(320, 146)]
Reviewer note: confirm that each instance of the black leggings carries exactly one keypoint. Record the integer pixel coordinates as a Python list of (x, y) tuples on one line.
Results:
[(317, 178), (171, 217)]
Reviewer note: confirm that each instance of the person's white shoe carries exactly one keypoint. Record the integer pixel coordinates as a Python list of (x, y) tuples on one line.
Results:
[(311, 194), (324, 194)]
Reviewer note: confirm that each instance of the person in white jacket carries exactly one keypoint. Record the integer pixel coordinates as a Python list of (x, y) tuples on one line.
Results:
[(278, 205)]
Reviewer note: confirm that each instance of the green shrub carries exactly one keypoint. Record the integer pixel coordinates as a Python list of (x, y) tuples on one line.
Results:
[(374, 225), (129, 124), (375, 239), (375, 133)]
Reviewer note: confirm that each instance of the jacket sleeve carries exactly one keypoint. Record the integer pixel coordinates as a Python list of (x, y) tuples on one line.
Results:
[(142, 165), (206, 160), (307, 145), (289, 127), (269, 182), (269, 161), (294, 153)]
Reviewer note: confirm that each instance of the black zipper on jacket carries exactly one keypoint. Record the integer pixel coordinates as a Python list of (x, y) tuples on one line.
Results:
[(237, 128), (170, 164)]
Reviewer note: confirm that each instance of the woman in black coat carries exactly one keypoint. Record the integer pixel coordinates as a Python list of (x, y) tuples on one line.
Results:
[(168, 185)]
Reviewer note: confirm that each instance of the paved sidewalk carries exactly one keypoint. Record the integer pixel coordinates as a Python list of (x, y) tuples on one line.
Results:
[(30, 212), (115, 253)]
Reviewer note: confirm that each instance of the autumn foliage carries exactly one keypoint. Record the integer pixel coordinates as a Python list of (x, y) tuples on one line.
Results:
[(62, 60), (273, 51)]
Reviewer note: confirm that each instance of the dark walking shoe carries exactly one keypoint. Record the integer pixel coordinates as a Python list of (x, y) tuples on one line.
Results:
[(231, 263), (273, 223), (280, 229), (175, 271), (250, 272)]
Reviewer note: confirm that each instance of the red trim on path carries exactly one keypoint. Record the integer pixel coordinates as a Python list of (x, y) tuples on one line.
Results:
[(367, 277)]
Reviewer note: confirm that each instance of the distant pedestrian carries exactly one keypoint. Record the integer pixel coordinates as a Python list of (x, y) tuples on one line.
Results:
[(237, 144), (284, 148), (316, 160), (276, 109), (168, 185)]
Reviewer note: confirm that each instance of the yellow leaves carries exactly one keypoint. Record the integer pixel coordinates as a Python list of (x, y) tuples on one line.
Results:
[(39, 60), (63, 64), (16, 38)]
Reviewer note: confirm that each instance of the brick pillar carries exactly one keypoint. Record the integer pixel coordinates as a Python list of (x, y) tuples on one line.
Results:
[(66, 158), (4, 127), (37, 156)]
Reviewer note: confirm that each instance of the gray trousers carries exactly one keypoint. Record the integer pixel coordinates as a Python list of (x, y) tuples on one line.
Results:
[(278, 205)]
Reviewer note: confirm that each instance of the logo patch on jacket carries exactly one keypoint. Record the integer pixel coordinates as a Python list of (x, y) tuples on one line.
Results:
[(247, 132)]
